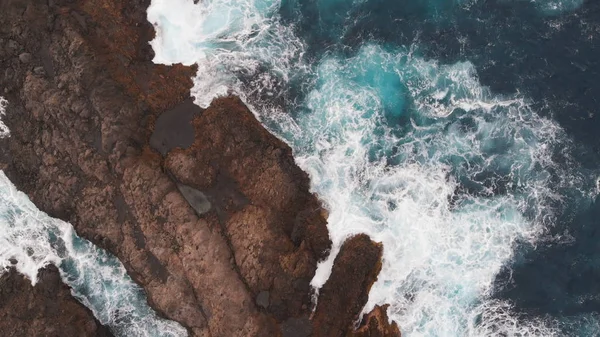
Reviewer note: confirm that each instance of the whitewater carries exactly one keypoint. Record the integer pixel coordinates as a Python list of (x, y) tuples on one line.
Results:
[(452, 178)]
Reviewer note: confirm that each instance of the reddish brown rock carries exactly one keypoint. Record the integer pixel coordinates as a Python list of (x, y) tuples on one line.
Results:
[(119, 33), (376, 324), (48, 309), (260, 203), (223, 235), (346, 292)]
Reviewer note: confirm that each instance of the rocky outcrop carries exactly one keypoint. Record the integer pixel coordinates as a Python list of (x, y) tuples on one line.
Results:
[(376, 324), (206, 209), (346, 292), (48, 309), (275, 229)]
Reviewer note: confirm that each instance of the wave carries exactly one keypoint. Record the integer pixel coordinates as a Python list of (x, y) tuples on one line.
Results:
[(229, 40), (450, 187)]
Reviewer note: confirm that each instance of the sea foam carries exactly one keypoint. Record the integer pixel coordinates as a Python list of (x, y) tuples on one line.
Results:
[(4, 131), (97, 279)]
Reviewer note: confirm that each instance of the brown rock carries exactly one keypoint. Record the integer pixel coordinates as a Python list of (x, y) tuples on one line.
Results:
[(260, 203), (120, 39), (210, 229), (48, 309), (355, 269), (376, 324), (25, 57)]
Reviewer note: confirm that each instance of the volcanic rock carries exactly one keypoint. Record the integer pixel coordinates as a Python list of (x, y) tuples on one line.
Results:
[(207, 221), (346, 292), (48, 309), (376, 324)]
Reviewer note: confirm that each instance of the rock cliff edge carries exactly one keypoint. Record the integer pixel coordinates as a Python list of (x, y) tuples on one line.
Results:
[(205, 208)]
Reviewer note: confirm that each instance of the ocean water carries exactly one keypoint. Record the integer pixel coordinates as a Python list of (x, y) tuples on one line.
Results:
[(30, 240), (460, 133)]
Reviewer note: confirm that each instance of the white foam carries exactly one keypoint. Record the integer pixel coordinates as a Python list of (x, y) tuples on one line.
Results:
[(4, 131), (553, 7), (440, 259), (227, 39), (34, 240)]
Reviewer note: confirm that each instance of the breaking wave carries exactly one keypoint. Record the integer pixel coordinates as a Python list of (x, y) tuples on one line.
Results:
[(4, 131)]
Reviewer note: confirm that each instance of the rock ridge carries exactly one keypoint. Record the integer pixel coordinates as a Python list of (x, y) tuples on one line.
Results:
[(205, 208)]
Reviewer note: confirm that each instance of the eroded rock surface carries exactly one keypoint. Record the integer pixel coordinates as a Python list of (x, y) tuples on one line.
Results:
[(220, 229), (346, 291), (48, 309), (274, 227)]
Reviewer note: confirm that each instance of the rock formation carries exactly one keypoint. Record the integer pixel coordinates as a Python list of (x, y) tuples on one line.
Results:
[(206, 209), (346, 292), (376, 324), (48, 309)]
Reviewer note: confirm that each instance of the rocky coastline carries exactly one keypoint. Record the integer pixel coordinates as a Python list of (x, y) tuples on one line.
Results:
[(205, 208), (48, 309)]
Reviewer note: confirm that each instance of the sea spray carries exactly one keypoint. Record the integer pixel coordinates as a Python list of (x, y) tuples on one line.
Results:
[(449, 192), (229, 40)]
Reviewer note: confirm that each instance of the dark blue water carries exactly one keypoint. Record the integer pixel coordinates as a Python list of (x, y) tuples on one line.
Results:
[(516, 47)]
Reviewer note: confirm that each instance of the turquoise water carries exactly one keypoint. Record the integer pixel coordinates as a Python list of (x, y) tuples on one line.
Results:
[(384, 107)]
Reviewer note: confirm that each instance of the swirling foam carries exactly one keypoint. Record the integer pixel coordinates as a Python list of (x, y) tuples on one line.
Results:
[(443, 245), (554, 7), (33, 240), (4, 131)]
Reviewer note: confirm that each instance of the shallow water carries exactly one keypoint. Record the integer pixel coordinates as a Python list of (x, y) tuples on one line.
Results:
[(461, 134)]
